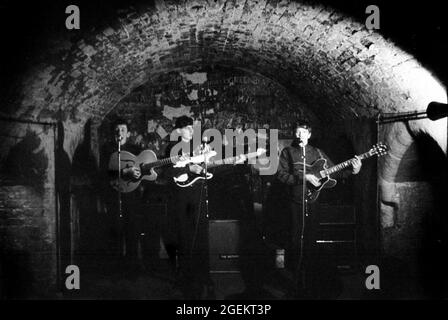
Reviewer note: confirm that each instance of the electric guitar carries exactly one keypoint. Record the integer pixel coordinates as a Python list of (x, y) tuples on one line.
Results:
[(320, 170), (188, 179), (147, 162)]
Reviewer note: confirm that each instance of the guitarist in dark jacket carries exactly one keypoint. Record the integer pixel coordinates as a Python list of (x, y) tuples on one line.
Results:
[(187, 224), (126, 236), (290, 171)]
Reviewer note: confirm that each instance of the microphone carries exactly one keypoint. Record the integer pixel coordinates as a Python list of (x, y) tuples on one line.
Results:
[(437, 110), (205, 140), (117, 134)]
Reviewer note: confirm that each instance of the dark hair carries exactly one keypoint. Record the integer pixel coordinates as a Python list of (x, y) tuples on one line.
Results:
[(302, 124), (182, 122), (120, 121)]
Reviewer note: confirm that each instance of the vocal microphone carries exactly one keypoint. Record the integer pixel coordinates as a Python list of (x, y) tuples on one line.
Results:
[(118, 135), (205, 140)]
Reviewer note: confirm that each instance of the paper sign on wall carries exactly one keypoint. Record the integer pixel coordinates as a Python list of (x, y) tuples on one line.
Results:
[(161, 132), (151, 126), (170, 112)]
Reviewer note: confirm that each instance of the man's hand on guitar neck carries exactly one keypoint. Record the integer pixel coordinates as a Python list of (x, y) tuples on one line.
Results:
[(356, 163)]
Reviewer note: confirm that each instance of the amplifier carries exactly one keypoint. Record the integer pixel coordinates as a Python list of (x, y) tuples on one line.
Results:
[(337, 236), (224, 240), (335, 214)]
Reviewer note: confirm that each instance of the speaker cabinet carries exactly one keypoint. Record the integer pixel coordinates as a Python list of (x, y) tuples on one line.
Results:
[(224, 240), (337, 237)]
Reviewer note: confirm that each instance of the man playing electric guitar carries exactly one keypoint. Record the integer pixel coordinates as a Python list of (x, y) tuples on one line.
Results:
[(189, 223), (290, 172), (187, 236)]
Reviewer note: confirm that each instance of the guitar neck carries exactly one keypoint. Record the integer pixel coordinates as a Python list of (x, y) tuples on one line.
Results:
[(229, 160), (161, 162), (346, 164)]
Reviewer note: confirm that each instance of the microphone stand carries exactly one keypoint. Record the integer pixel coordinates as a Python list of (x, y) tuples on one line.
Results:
[(120, 210), (210, 286), (119, 176), (304, 215), (206, 184)]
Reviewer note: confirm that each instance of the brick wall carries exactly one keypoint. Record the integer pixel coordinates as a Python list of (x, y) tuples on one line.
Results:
[(221, 98), (27, 216), (330, 62)]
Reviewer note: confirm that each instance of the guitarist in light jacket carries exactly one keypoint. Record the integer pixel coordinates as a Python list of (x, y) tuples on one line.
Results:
[(290, 173)]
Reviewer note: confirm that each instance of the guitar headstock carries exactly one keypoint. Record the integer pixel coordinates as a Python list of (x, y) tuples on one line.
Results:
[(380, 149)]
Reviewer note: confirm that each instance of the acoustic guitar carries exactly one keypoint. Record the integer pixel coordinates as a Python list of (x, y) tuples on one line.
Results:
[(147, 162)]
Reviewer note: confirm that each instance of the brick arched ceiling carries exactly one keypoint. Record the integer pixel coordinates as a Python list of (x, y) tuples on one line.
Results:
[(328, 59)]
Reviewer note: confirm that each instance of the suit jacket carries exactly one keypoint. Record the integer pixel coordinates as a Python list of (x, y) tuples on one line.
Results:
[(290, 165)]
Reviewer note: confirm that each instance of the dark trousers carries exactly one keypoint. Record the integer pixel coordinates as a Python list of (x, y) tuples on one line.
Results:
[(315, 273), (124, 229), (131, 207), (153, 223), (302, 258), (190, 230)]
